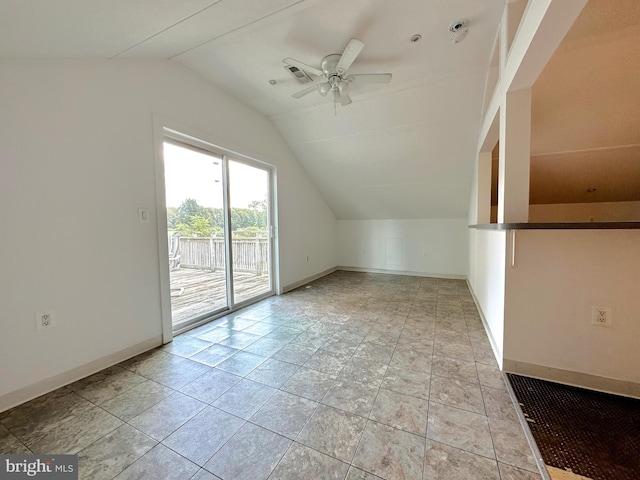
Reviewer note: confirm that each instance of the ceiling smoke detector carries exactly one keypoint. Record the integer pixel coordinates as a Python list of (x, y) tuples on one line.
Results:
[(460, 29)]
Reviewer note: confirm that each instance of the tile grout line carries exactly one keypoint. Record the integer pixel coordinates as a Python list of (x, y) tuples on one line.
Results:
[(379, 320), (433, 347)]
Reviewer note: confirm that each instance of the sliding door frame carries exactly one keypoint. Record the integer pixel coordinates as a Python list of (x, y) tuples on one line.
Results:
[(273, 289), (164, 129)]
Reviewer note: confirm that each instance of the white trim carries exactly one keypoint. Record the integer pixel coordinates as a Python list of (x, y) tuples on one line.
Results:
[(228, 250), (275, 242), (497, 352), (161, 224), (543, 25), (299, 283), (292, 286), (179, 135), (402, 272), (18, 397), (575, 379)]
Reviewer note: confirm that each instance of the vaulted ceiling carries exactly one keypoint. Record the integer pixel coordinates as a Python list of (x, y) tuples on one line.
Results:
[(400, 150)]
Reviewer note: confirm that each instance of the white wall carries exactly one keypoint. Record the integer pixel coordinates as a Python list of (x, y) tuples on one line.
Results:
[(487, 249), (434, 247), (559, 275), (77, 161), (586, 212), (307, 228), (487, 257)]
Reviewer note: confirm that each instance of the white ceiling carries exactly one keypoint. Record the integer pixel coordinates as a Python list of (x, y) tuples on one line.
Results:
[(401, 150)]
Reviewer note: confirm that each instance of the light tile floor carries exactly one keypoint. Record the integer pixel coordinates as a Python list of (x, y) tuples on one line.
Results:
[(357, 377)]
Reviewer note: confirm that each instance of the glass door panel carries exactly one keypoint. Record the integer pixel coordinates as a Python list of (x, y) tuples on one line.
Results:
[(249, 194), (195, 228)]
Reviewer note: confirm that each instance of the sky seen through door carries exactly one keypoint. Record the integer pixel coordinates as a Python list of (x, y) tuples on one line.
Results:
[(191, 174)]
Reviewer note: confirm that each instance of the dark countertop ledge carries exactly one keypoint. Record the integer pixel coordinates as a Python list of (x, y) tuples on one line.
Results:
[(559, 226)]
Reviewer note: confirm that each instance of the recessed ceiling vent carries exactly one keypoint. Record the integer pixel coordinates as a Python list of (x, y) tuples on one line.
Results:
[(300, 75)]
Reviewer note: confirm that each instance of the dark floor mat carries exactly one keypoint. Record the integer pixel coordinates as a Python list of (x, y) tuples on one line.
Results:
[(593, 434)]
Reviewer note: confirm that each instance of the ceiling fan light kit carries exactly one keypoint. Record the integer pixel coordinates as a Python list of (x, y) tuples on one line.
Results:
[(333, 69)]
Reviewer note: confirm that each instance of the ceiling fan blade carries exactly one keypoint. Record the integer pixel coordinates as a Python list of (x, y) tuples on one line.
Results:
[(344, 88), (303, 66), (364, 78), (345, 99), (353, 49), (304, 92)]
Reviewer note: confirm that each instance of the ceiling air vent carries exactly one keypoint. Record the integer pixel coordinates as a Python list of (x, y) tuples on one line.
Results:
[(301, 76)]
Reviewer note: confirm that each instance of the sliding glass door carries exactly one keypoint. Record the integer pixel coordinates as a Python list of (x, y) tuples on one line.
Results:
[(218, 231), (249, 195)]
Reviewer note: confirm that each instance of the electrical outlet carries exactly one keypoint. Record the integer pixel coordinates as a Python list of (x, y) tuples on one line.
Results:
[(601, 316), (45, 320)]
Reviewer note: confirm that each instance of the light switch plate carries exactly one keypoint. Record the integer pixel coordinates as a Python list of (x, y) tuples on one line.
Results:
[(143, 215)]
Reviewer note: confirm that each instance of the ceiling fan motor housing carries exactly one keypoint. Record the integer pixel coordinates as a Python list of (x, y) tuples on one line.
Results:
[(329, 63)]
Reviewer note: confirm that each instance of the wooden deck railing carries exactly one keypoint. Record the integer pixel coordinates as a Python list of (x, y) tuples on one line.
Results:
[(249, 254)]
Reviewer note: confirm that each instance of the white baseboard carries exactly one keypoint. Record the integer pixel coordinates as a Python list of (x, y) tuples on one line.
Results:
[(17, 397), (576, 379), (402, 272), (566, 377), (304, 281)]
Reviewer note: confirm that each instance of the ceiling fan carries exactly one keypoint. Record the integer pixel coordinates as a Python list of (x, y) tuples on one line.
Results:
[(334, 68)]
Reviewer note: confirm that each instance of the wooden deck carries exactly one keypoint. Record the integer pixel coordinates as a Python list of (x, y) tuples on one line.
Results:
[(195, 292)]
